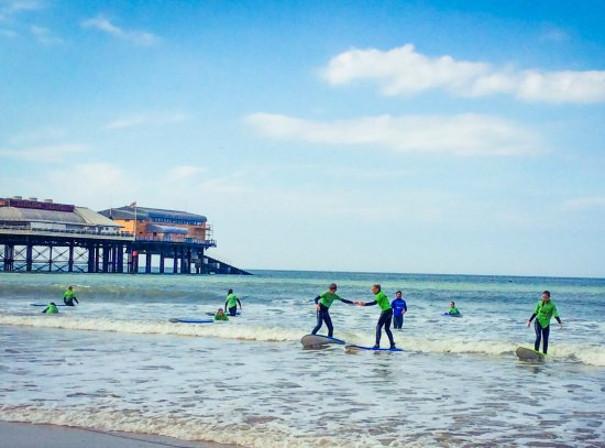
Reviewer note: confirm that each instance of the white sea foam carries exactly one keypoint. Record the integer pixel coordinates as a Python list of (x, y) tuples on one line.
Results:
[(589, 354), (267, 432)]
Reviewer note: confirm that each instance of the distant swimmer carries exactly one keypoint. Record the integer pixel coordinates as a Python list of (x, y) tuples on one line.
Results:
[(453, 311), (323, 303), (51, 309), (220, 315), (545, 310), (231, 303), (400, 307), (69, 297), (386, 314)]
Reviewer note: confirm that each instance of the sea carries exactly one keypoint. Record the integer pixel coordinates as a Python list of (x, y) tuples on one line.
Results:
[(117, 363)]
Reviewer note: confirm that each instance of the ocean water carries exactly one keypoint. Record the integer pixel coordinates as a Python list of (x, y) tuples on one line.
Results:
[(117, 363)]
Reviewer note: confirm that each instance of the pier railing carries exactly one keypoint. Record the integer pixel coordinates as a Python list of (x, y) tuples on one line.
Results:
[(23, 230)]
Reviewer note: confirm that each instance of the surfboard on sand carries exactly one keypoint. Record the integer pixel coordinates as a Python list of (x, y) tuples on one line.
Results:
[(319, 341), (352, 348), (529, 355), (190, 321)]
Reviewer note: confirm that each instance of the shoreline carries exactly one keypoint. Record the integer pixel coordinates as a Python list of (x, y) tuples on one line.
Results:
[(31, 435)]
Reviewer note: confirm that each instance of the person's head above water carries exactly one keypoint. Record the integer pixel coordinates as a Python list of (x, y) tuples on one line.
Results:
[(376, 288), (332, 287), (545, 296), (398, 294), (220, 311), (229, 291), (452, 304), (53, 303), (70, 288)]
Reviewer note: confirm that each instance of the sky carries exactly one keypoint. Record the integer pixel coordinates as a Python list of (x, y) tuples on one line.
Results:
[(383, 136)]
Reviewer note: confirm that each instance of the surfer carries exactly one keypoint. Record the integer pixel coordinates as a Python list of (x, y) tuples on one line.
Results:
[(69, 297), (545, 310), (386, 314), (231, 303), (323, 303), (399, 309), (453, 311), (51, 309), (220, 315)]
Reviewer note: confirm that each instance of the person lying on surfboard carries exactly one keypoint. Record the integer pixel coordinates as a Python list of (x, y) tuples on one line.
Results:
[(220, 315), (386, 314), (323, 303), (453, 311), (545, 310)]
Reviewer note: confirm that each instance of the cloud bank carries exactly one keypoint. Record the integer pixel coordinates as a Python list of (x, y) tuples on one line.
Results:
[(461, 135), (404, 71)]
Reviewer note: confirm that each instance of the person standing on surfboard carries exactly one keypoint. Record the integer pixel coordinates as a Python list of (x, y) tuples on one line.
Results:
[(231, 303), (545, 310), (386, 315), (323, 303)]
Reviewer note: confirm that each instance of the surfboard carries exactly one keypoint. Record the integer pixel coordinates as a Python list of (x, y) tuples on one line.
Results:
[(318, 341), (350, 348), (46, 304), (451, 315), (190, 321), (529, 355)]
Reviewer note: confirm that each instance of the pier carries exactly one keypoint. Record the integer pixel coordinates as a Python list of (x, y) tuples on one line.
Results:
[(44, 236)]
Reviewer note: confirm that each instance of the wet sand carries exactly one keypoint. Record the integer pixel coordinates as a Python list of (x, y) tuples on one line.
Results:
[(26, 435)]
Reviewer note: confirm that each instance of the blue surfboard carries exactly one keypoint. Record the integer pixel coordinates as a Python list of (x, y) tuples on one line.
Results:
[(353, 348), (190, 321), (451, 315)]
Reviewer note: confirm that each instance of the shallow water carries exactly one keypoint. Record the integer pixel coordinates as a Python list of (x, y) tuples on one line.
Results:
[(116, 363)]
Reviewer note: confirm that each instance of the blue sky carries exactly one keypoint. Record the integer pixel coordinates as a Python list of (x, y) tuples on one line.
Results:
[(434, 136)]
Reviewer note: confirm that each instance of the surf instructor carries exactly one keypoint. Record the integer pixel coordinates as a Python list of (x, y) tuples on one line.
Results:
[(323, 303), (545, 310), (231, 303)]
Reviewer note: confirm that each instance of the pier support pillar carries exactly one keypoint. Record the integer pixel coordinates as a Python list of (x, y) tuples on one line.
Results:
[(161, 262), (175, 264), (70, 258), (148, 263), (91, 258), (50, 258), (28, 257), (9, 251), (120, 258), (105, 261)]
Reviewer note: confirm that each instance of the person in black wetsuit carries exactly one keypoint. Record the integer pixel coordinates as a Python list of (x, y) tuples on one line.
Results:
[(386, 314), (231, 303), (323, 303), (69, 297)]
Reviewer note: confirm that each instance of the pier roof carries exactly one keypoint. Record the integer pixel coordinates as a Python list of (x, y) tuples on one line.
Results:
[(142, 213)]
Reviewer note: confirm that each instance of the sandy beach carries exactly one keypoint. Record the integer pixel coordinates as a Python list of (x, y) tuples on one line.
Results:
[(25, 435)]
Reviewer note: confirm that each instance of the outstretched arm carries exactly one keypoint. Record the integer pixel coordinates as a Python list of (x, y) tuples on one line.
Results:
[(45, 310), (361, 303), (349, 302), (240, 304), (531, 319), (76, 300)]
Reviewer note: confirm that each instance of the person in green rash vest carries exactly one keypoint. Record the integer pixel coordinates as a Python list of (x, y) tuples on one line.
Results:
[(220, 315), (386, 314), (69, 297), (51, 309), (545, 310), (323, 303), (231, 303), (453, 311)]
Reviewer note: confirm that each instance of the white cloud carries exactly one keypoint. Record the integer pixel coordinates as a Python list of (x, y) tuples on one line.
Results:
[(404, 71), (585, 203), (146, 120), (553, 34), (463, 135), (183, 172), (101, 23), (42, 154), (44, 35), (9, 8)]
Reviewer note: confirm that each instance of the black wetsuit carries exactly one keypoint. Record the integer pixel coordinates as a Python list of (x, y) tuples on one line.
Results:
[(70, 301)]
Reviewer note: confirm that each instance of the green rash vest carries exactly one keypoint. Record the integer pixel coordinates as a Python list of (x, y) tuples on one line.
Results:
[(328, 298), (69, 294), (382, 300), (231, 300), (221, 317), (545, 311), (453, 311), (52, 309)]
